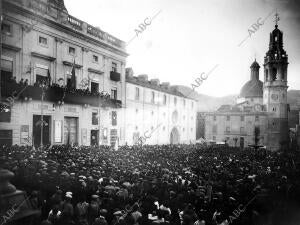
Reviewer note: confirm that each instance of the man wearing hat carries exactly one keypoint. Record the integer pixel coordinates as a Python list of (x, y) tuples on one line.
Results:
[(67, 210), (93, 211)]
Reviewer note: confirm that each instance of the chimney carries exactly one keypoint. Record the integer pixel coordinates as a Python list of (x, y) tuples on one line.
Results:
[(155, 82), (129, 72), (143, 77), (165, 85)]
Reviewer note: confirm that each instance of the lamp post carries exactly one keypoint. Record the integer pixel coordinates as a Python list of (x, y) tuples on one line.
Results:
[(42, 122)]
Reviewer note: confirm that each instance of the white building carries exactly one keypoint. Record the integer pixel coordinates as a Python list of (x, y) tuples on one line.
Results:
[(157, 112)]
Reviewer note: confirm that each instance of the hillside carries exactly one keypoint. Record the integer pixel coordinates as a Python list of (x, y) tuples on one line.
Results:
[(208, 103)]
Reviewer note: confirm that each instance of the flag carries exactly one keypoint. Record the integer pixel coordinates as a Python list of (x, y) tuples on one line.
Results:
[(73, 77), (48, 78)]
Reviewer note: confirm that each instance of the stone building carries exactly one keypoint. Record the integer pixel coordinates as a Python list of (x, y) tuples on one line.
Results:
[(158, 112), (42, 43), (63, 82), (261, 111)]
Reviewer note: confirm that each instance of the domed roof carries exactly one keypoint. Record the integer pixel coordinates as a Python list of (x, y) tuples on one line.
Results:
[(253, 88), (255, 65)]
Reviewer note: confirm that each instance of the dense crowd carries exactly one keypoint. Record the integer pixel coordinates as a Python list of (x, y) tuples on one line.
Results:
[(169, 184)]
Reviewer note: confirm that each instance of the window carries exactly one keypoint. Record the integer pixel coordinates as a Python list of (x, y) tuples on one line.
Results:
[(165, 100), (175, 101), (242, 130), (228, 118), (152, 113), (214, 138), (227, 129), (6, 137), (137, 93), (40, 79), (113, 93), (43, 41), (95, 58), (114, 66), (94, 118), (215, 118), (5, 113), (41, 75), (5, 28), (6, 70), (136, 110), (184, 102), (104, 134), (214, 129), (242, 118), (274, 109), (256, 118), (94, 87), (114, 118), (152, 97), (72, 51)]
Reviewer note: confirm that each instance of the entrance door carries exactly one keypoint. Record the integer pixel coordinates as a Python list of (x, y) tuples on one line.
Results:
[(241, 142), (36, 130), (174, 136), (94, 137), (6, 137), (70, 130)]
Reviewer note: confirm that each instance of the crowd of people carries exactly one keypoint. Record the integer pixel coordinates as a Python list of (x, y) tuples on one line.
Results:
[(168, 184)]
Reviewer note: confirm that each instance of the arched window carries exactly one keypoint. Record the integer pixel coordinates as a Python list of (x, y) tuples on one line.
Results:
[(274, 73)]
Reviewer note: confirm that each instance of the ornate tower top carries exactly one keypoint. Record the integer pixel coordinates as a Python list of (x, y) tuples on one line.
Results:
[(276, 53), (254, 70), (276, 19)]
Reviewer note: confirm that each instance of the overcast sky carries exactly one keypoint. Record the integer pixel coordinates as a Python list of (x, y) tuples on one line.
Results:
[(189, 37)]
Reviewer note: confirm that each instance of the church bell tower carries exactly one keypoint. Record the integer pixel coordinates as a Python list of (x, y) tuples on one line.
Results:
[(275, 91)]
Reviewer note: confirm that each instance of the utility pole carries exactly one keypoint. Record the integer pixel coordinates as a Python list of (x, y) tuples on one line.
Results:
[(1, 20), (42, 122)]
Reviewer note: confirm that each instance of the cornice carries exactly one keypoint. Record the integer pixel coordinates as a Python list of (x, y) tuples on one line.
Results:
[(27, 13), (95, 71), (39, 55), (67, 63), (11, 47)]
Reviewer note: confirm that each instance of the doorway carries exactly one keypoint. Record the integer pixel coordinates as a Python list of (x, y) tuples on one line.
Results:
[(71, 130), (174, 136), (241, 142), (36, 130), (94, 137)]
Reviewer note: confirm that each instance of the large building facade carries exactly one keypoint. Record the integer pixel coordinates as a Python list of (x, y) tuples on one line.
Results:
[(41, 40), (158, 112), (260, 115), (63, 82)]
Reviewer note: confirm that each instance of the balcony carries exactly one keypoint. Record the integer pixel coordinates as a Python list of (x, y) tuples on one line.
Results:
[(55, 93), (76, 23), (115, 76)]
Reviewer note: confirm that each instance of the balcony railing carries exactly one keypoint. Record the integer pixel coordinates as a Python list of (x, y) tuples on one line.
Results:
[(94, 31), (55, 94), (76, 23), (115, 76)]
